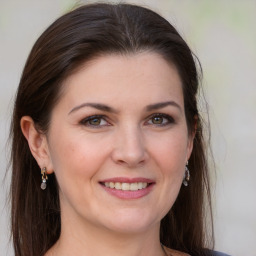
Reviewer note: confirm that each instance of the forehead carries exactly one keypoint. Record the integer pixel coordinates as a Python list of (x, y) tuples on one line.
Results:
[(139, 76)]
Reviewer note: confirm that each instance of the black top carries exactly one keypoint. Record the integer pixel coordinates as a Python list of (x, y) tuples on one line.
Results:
[(212, 253), (207, 252), (219, 254)]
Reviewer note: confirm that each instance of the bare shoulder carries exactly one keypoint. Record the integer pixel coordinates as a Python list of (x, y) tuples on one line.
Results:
[(171, 252)]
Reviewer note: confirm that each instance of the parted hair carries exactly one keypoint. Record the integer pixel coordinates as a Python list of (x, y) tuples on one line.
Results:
[(73, 39)]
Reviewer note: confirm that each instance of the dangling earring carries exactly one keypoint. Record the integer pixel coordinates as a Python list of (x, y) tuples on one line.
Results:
[(44, 178), (186, 176)]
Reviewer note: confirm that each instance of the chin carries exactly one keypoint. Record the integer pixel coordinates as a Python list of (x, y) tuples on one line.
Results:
[(132, 223)]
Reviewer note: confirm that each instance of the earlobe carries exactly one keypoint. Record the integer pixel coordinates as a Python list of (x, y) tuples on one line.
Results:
[(37, 143)]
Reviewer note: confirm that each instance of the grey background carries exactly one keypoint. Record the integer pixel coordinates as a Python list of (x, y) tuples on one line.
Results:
[(223, 35)]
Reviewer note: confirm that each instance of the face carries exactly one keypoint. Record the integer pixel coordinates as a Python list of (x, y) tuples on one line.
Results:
[(118, 142)]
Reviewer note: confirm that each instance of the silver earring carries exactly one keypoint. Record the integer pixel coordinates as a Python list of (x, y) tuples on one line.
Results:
[(186, 176), (44, 178)]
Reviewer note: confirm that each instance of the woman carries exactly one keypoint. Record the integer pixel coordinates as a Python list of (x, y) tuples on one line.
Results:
[(106, 134)]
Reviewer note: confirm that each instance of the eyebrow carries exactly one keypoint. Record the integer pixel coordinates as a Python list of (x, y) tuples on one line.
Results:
[(106, 108), (162, 105), (98, 106)]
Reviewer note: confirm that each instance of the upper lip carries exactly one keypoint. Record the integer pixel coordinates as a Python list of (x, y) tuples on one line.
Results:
[(127, 180)]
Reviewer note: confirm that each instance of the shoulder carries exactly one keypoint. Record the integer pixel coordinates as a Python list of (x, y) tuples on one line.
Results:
[(211, 253), (215, 253), (171, 252)]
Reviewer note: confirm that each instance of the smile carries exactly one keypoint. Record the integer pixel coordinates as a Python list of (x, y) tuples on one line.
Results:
[(126, 186)]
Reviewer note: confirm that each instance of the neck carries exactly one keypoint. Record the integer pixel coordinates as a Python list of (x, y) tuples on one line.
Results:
[(77, 240)]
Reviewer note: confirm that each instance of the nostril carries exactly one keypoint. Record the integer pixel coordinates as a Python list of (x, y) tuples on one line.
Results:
[(130, 161)]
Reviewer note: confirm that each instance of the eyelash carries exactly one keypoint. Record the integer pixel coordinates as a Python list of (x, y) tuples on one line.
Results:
[(169, 120)]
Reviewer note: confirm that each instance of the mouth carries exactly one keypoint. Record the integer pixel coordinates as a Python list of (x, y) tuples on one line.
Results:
[(128, 188), (134, 186)]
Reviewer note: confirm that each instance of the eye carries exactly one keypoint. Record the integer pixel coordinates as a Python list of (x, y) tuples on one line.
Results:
[(160, 119), (157, 120), (94, 121)]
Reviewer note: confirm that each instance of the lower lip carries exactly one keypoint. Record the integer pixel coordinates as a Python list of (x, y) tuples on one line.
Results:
[(128, 194)]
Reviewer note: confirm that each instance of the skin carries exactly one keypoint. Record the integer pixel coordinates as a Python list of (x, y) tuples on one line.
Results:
[(138, 138)]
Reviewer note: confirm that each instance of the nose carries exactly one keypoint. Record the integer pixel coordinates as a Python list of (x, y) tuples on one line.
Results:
[(129, 147)]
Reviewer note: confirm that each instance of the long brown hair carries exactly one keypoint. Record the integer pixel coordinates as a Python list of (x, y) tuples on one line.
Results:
[(72, 40)]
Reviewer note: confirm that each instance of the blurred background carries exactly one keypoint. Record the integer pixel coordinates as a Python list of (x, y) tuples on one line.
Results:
[(222, 33)]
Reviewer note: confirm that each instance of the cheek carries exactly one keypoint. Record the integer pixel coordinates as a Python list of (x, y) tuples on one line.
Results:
[(76, 163), (170, 155), (76, 155), (171, 151)]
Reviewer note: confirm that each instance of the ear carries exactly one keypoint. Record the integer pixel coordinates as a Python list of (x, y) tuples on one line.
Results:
[(37, 142), (191, 138), (190, 146)]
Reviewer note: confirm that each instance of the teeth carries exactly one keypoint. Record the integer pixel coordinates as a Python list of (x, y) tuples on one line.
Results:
[(118, 185), (134, 186), (126, 186)]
